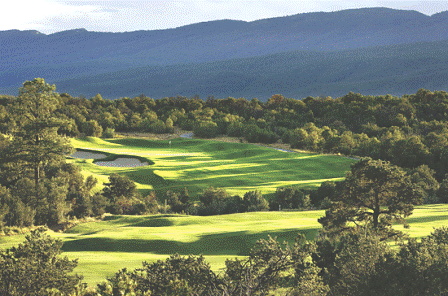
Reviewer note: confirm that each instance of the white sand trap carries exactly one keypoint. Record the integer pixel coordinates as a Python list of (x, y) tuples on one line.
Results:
[(88, 155), (122, 162)]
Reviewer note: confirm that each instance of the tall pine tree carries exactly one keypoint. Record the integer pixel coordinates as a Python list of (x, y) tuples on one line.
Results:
[(34, 140)]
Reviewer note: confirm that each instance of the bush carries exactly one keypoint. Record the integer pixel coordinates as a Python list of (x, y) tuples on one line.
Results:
[(177, 275), (99, 204), (216, 201), (320, 197), (13, 212), (234, 204), (81, 204), (158, 127), (92, 128), (348, 262), (119, 186), (109, 133), (289, 198), (216, 207), (235, 129), (418, 268), (151, 204), (211, 195), (206, 129), (253, 201), (172, 199), (120, 284), (34, 268), (131, 206)]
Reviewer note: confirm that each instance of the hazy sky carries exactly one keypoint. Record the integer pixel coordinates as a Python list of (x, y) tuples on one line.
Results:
[(49, 16)]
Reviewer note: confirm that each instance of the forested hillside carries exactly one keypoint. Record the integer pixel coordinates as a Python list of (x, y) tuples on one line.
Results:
[(236, 58), (397, 69)]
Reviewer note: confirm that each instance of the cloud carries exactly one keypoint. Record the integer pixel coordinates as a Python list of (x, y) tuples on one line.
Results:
[(38, 14), (50, 16)]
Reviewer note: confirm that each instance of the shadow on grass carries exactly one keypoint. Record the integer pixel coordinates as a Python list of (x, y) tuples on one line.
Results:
[(238, 243), (427, 219), (134, 142), (112, 157), (153, 222)]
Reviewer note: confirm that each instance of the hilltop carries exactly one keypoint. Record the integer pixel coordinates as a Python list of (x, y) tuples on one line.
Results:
[(227, 54)]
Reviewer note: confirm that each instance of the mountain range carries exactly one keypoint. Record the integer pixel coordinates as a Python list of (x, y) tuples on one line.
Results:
[(370, 50)]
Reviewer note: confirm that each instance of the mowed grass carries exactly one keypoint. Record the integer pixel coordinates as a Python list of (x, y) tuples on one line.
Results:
[(197, 164), (118, 242)]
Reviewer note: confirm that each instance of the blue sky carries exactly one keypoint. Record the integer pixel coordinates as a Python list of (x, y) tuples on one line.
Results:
[(49, 16)]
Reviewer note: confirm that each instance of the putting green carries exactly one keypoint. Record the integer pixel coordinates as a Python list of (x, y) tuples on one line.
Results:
[(197, 164)]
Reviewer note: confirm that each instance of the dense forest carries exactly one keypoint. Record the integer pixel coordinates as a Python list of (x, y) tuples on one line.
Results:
[(402, 142)]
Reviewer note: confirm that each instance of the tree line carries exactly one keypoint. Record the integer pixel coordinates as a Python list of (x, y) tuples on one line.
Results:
[(408, 131)]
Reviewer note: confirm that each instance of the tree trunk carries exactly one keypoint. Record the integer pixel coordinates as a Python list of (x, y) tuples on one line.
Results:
[(36, 176), (376, 212), (36, 172)]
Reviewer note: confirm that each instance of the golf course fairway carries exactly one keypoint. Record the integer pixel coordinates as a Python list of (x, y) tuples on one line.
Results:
[(118, 242), (197, 164)]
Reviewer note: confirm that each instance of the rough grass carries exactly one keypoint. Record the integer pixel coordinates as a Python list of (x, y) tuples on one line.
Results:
[(125, 241), (197, 164)]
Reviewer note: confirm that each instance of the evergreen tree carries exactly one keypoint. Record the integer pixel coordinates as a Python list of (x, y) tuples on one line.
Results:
[(374, 194), (34, 268), (35, 140)]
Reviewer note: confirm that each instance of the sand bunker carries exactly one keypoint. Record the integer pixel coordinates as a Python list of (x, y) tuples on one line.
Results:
[(88, 155), (122, 162)]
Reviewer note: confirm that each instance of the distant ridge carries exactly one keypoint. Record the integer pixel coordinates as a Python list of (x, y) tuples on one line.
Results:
[(78, 53), (395, 70)]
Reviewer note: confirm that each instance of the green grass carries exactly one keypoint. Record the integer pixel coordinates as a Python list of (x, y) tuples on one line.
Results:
[(197, 164), (125, 241)]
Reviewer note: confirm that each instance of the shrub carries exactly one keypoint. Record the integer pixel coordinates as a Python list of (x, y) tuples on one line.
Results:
[(235, 129), (151, 204), (349, 262), (212, 194), (109, 133), (13, 212), (177, 275), (92, 128), (158, 127), (325, 192), (129, 206), (206, 129), (34, 268), (99, 204), (119, 186), (216, 207), (289, 198), (253, 201)]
